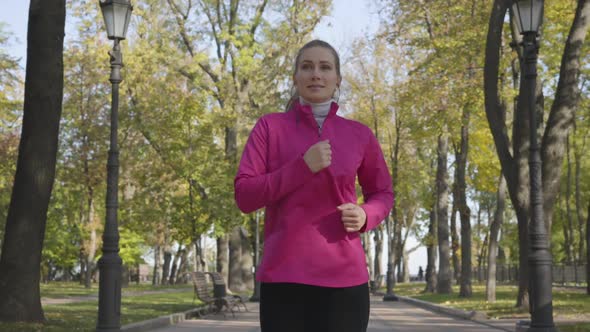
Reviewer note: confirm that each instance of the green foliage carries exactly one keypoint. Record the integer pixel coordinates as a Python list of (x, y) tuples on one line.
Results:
[(484, 166), (132, 248), (557, 21), (61, 247)]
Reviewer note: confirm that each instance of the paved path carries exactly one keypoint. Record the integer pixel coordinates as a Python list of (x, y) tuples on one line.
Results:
[(385, 316)]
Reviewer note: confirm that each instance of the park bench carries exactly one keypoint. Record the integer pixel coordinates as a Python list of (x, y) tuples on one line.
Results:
[(220, 292), (214, 298)]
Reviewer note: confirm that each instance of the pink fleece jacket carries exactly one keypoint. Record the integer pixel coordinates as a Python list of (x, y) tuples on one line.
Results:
[(304, 239)]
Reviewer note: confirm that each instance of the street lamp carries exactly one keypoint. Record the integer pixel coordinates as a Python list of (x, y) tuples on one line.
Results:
[(116, 15), (529, 16)]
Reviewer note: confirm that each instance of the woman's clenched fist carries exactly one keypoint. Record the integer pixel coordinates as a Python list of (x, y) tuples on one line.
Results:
[(318, 156), (354, 217)]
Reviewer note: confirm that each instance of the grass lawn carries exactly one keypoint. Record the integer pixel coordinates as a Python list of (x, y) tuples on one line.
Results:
[(568, 304), (82, 316), (69, 289), (584, 327)]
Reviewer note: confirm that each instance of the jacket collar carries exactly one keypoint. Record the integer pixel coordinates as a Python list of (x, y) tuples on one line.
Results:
[(305, 111)]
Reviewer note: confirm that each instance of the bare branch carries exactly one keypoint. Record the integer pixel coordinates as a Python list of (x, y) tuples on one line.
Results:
[(257, 20), (212, 22)]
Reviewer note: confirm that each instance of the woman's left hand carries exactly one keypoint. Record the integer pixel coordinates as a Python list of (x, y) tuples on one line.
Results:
[(353, 217)]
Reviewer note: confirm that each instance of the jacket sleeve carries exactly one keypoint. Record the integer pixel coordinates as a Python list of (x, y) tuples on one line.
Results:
[(376, 184), (254, 186)]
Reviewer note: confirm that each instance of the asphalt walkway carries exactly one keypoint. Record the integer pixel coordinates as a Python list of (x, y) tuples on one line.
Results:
[(385, 317)]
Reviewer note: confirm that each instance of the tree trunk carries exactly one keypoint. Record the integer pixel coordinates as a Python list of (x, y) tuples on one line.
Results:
[(175, 266), (569, 223), (431, 244), (579, 207), (444, 274), (495, 228), (464, 211), (396, 243), (223, 257), (393, 223), (156, 273), (82, 262), (514, 167), (199, 262), (235, 282), (91, 244), (203, 255), (20, 264), (482, 250), (166, 266), (483, 253), (374, 264), (378, 239), (182, 266), (246, 260), (398, 266), (196, 257), (406, 268), (89, 267), (366, 237), (390, 231), (454, 235)]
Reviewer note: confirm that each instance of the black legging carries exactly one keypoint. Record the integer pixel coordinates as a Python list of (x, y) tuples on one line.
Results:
[(288, 307)]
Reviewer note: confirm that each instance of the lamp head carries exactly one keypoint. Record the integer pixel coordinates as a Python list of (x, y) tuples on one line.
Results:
[(528, 15), (116, 14)]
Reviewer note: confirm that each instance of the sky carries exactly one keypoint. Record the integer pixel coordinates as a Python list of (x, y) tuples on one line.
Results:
[(348, 21)]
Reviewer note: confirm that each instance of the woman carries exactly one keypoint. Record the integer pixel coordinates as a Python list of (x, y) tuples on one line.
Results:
[(302, 166)]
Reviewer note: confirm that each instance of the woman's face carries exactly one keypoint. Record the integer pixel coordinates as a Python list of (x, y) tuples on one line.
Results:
[(316, 78)]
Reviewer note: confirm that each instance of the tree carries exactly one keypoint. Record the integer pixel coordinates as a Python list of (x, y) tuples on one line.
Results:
[(447, 54), (514, 160), (83, 149), (35, 170), (443, 284), (493, 240)]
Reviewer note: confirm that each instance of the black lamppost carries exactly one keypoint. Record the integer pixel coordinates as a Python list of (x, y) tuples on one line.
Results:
[(529, 16), (116, 15), (390, 276)]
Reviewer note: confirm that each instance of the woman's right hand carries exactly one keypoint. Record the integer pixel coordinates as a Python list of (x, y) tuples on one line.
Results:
[(318, 156)]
